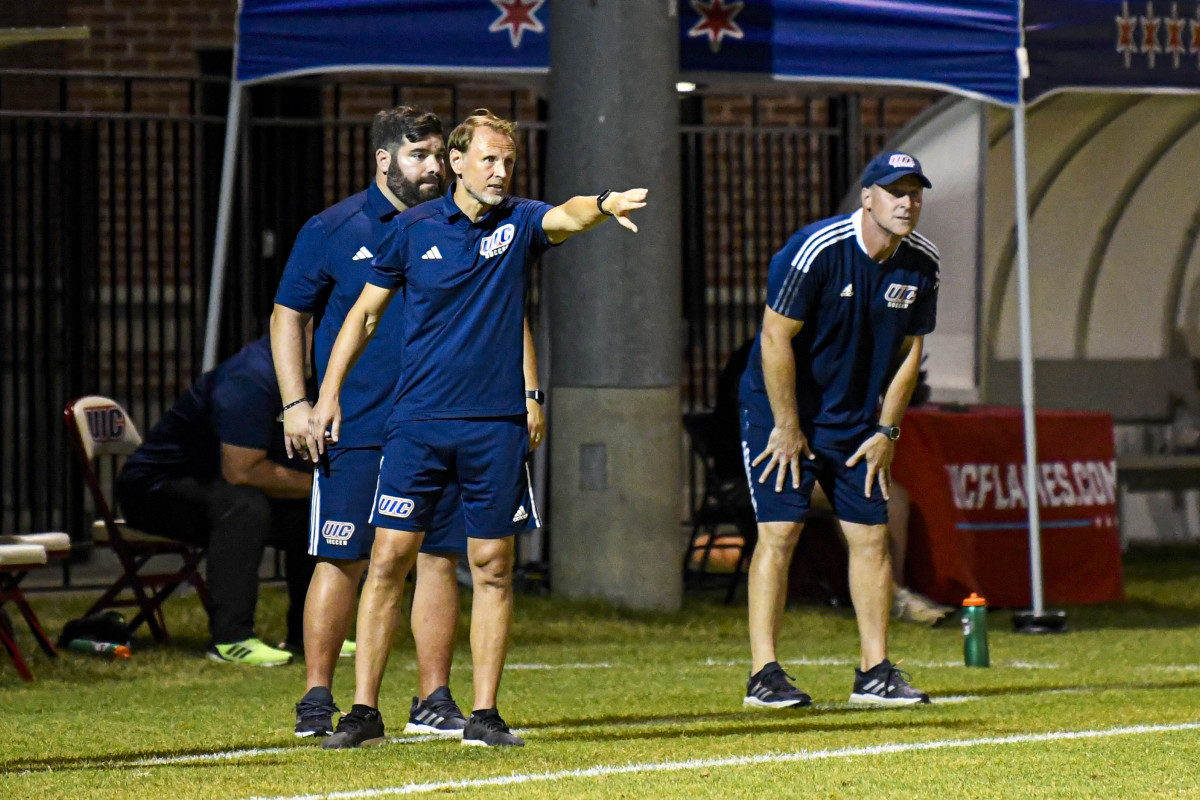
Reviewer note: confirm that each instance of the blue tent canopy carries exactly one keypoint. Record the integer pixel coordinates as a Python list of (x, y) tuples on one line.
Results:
[(970, 47), (1001, 51)]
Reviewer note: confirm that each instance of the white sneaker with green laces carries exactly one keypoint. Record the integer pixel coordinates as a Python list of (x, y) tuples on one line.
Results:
[(252, 652)]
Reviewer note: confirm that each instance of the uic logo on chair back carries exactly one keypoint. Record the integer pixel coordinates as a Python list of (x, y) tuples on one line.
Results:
[(105, 423)]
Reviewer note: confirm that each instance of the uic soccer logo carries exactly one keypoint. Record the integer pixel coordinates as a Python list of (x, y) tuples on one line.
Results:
[(498, 241), (900, 295), (902, 161), (337, 533)]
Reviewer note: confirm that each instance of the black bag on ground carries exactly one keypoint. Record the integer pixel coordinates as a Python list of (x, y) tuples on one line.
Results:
[(106, 626)]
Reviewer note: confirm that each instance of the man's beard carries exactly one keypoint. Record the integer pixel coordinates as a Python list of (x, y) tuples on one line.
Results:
[(408, 192)]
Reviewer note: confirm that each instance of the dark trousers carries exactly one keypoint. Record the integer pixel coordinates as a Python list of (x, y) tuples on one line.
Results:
[(234, 523)]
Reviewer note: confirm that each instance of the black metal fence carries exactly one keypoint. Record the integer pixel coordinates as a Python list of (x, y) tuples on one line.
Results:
[(108, 201)]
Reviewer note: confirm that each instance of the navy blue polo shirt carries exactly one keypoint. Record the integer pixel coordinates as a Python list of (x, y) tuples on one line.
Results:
[(464, 298), (329, 265), (856, 314), (237, 403)]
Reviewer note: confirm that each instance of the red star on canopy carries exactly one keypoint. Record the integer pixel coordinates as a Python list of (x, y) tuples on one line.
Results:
[(1175, 25), (716, 21), (515, 17), (1125, 28), (1150, 26)]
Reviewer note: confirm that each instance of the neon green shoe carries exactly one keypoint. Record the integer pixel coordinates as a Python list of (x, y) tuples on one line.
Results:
[(349, 648), (251, 652)]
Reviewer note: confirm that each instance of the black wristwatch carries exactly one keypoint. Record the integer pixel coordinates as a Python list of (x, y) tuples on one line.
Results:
[(600, 198), (536, 395), (890, 431)]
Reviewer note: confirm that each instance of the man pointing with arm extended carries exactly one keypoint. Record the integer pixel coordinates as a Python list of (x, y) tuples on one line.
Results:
[(462, 262)]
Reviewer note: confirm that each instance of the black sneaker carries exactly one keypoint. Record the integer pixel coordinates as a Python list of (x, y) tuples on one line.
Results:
[(438, 714), (362, 727), (770, 688), (314, 713), (885, 685), (486, 729)]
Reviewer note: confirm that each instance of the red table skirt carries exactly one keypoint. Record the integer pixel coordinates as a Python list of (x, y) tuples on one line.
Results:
[(969, 531)]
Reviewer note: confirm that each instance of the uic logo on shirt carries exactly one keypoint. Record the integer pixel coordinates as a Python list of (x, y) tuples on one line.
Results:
[(337, 533), (497, 241), (395, 506), (900, 295)]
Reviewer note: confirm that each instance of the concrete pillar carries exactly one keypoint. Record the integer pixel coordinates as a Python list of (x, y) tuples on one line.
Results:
[(615, 303)]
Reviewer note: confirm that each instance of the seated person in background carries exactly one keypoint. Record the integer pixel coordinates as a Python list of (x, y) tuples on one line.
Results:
[(906, 604), (213, 472)]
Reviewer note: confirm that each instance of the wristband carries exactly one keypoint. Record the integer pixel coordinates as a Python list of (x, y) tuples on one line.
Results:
[(292, 404), (536, 395), (600, 202)]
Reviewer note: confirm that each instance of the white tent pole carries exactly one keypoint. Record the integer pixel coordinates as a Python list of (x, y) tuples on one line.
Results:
[(1023, 293), (216, 283)]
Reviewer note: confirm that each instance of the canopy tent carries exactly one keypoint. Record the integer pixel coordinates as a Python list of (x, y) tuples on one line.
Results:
[(1001, 51)]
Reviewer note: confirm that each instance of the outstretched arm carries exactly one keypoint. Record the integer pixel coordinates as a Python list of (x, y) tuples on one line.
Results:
[(582, 213), (357, 330)]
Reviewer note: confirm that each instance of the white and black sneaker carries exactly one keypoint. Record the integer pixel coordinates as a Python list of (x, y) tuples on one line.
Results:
[(437, 714), (770, 687), (314, 713), (485, 728), (885, 685)]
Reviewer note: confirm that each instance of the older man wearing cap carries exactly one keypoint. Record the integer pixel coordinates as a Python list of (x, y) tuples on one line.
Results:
[(844, 296)]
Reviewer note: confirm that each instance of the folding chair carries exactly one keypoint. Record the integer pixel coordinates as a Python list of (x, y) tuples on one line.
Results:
[(16, 559), (100, 427), (724, 502)]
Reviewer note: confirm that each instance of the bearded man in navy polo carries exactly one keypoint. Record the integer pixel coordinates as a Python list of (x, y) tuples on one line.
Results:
[(460, 404)]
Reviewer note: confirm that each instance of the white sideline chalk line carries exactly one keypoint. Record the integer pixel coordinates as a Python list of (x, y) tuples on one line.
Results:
[(599, 665), (538, 732), (737, 761)]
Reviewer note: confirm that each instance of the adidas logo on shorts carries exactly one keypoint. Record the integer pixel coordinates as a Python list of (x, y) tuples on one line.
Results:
[(521, 515)]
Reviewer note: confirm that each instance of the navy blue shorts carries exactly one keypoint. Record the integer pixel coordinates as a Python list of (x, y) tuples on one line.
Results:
[(340, 518), (486, 457), (843, 485)]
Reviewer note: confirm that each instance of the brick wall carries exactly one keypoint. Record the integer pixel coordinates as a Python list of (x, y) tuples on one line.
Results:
[(160, 36)]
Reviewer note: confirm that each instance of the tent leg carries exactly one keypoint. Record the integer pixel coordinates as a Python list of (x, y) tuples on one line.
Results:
[(216, 283), (1037, 620)]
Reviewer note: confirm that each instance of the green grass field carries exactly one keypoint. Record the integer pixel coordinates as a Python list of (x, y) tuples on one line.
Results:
[(615, 704)]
